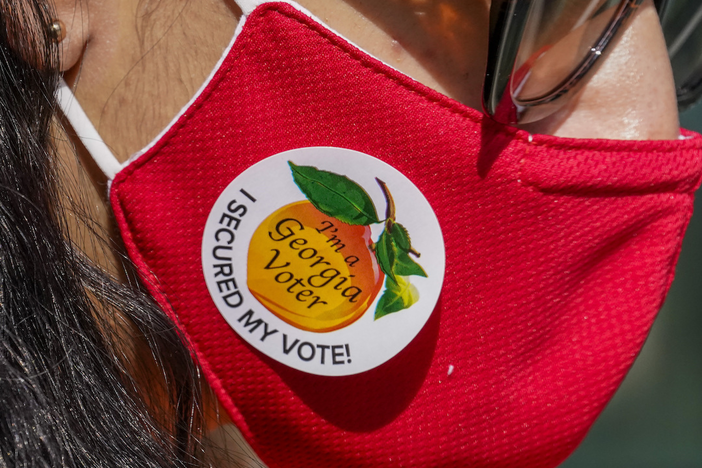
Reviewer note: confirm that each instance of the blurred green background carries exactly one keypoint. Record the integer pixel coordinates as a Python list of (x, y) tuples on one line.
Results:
[(655, 420)]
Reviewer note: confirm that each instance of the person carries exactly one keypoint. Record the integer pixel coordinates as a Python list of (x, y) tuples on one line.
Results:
[(93, 373), (69, 384)]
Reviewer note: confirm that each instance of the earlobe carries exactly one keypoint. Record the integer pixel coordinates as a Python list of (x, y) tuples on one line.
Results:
[(71, 30)]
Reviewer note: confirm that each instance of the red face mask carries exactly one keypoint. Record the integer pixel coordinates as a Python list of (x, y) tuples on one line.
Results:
[(559, 253)]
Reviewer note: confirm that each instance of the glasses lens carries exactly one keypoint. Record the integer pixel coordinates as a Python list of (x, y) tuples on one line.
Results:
[(558, 36), (682, 26)]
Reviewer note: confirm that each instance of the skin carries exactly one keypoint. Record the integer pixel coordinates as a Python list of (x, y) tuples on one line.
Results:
[(132, 81), (137, 62)]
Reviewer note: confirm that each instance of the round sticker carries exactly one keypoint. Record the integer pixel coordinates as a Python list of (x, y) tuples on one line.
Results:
[(327, 260)]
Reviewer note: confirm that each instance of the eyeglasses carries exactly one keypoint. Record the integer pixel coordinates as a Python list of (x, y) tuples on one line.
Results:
[(540, 51)]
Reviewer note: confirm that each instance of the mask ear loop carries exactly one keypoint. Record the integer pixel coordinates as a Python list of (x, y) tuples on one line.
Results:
[(87, 133)]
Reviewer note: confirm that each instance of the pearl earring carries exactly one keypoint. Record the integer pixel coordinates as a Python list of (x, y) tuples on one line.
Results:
[(57, 31)]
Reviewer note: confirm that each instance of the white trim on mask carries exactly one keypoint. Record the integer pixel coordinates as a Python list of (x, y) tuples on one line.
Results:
[(89, 136), (187, 106), (91, 139), (247, 7)]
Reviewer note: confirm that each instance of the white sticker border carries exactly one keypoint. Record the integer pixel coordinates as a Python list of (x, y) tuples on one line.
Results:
[(265, 187)]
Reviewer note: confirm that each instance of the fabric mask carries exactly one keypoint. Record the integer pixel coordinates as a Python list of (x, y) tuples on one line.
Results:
[(558, 255)]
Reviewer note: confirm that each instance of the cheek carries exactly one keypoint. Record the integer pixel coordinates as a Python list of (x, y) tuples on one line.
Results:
[(630, 95)]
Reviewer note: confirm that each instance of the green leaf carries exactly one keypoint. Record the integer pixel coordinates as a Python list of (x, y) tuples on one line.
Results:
[(398, 295), (401, 237), (335, 195), (405, 266), (385, 254)]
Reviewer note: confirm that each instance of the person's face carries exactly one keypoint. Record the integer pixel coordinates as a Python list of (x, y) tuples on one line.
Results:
[(135, 64), (140, 62)]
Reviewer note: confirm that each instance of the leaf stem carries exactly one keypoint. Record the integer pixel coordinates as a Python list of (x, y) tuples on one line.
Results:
[(390, 211)]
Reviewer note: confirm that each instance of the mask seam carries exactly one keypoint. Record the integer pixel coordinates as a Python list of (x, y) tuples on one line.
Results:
[(408, 83), (195, 97), (366, 60), (136, 162), (152, 282), (378, 67), (362, 59), (682, 187)]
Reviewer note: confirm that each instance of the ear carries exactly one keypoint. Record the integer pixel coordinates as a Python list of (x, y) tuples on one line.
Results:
[(74, 17)]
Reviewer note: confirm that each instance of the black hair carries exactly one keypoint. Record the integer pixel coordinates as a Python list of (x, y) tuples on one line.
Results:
[(72, 391)]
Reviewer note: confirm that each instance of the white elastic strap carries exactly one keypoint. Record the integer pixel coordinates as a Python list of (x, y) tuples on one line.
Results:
[(87, 133), (247, 6)]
